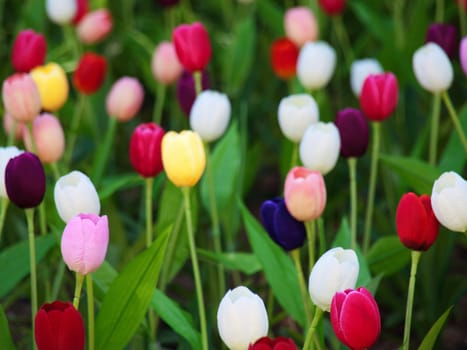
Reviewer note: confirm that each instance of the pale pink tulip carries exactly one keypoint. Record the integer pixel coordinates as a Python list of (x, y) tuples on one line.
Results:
[(165, 65), (95, 26), (300, 25), (21, 97), (125, 99)]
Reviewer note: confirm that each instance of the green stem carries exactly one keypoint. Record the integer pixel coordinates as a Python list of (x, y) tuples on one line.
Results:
[(12, 133), (32, 265), (399, 23), (78, 286), (301, 280), (352, 162), (294, 158), (42, 219), (322, 238), (376, 126), (90, 294), (311, 330), (103, 156), (55, 170), (462, 19), (343, 39), (455, 119), (4, 208), (70, 39), (75, 121), (434, 127), (58, 280), (408, 312), (198, 82), (196, 274), (439, 16), (148, 204), (311, 237), (159, 103)]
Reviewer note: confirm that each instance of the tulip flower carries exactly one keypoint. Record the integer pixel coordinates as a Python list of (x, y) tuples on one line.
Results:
[(360, 70), (284, 56), (59, 326), (300, 25), (61, 11), (295, 114), (193, 46), (52, 83), (145, 149), (210, 115), (316, 64), (168, 3), (432, 68), (90, 73), (241, 318), (82, 8), (324, 157), (445, 35), (74, 194), (449, 201), (335, 271), (21, 97), (379, 95), (165, 65), (279, 343), (95, 26), (332, 7), (463, 54), (125, 99), (29, 50), (186, 93), (6, 153), (353, 132), (355, 318), (13, 128), (285, 230)]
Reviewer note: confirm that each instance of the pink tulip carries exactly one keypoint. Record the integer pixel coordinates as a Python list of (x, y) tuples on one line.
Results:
[(95, 26), (300, 25), (193, 46), (29, 50), (165, 65), (463, 54), (125, 99), (379, 95), (21, 97)]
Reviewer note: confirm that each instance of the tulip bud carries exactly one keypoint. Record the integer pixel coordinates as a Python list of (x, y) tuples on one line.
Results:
[(210, 115), (193, 46), (82, 8), (360, 70), (186, 93), (353, 132), (183, 157), (241, 318), (432, 68), (25, 180), (29, 49), (125, 99), (463, 54), (61, 11), (6, 153), (305, 193), (90, 73), (52, 83), (95, 26), (300, 25), (335, 271), (284, 56), (355, 318), (283, 228), (378, 98), (21, 97), (59, 325), (324, 157), (84, 242), (74, 194), (449, 201), (279, 343), (165, 65), (445, 35), (145, 149), (316, 64), (332, 7), (296, 113), (11, 125)]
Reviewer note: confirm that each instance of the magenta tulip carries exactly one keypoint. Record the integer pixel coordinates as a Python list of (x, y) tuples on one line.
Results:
[(193, 46), (29, 50), (379, 95)]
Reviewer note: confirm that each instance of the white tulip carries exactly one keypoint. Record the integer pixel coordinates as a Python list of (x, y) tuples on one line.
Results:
[(241, 318), (320, 147), (316, 64), (210, 115), (360, 70), (335, 271), (75, 194), (6, 153), (449, 201), (296, 113), (61, 11), (432, 68)]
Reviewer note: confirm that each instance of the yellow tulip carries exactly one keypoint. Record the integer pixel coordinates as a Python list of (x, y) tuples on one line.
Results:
[(53, 85), (183, 157)]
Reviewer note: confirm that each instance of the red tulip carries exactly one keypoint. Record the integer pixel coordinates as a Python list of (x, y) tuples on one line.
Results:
[(416, 223), (279, 343), (284, 55), (90, 73), (82, 8), (378, 98), (332, 7), (28, 51), (193, 46), (59, 326)]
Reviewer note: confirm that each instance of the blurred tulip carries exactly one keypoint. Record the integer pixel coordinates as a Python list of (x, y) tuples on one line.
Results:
[(295, 114), (241, 318), (353, 132), (432, 68), (21, 97), (61, 11), (53, 87), (59, 326), (335, 271), (90, 73), (316, 64), (463, 54), (360, 70), (300, 25), (284, 55), (95, 26), (210, 115), (29, 50), (449, 201), (145, 149), (11, 125), (193, 46), (379, 95), (332, 7), (82, 8), (183, 157), (445, 35), (165, 65), (355, 318), (168, 3), (84, 242), (282, 227), (6, 153), (74, 194), (462, 4), (278, 343), (324, 157), (125, 99), (25, 180), (186, 93)]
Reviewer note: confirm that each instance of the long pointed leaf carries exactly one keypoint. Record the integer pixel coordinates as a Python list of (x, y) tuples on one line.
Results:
[(429, 341), (6, 342)]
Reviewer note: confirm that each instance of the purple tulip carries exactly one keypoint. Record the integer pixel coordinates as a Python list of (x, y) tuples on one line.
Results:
[(186, 93), (445, 35), (354, 133)]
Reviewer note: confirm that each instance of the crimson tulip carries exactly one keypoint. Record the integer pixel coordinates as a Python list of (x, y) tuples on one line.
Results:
[(354, 133), (29, 50), (332, 7), (90, 73), (379, 95), (193, 46), (279, 343), (445, 35), (284, 55)]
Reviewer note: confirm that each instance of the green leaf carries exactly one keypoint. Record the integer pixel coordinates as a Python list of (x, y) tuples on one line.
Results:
[(278, 268), (244, 262), (6, 342), (430, 338), (272, 16), (128, 298), (14, 261), (112, 184), (387, 256)]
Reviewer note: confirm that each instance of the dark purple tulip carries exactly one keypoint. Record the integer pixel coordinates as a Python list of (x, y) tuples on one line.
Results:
[(168, 3), (25, 180), (283, 228), (186, 93), (354, 133), (445, 35)]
